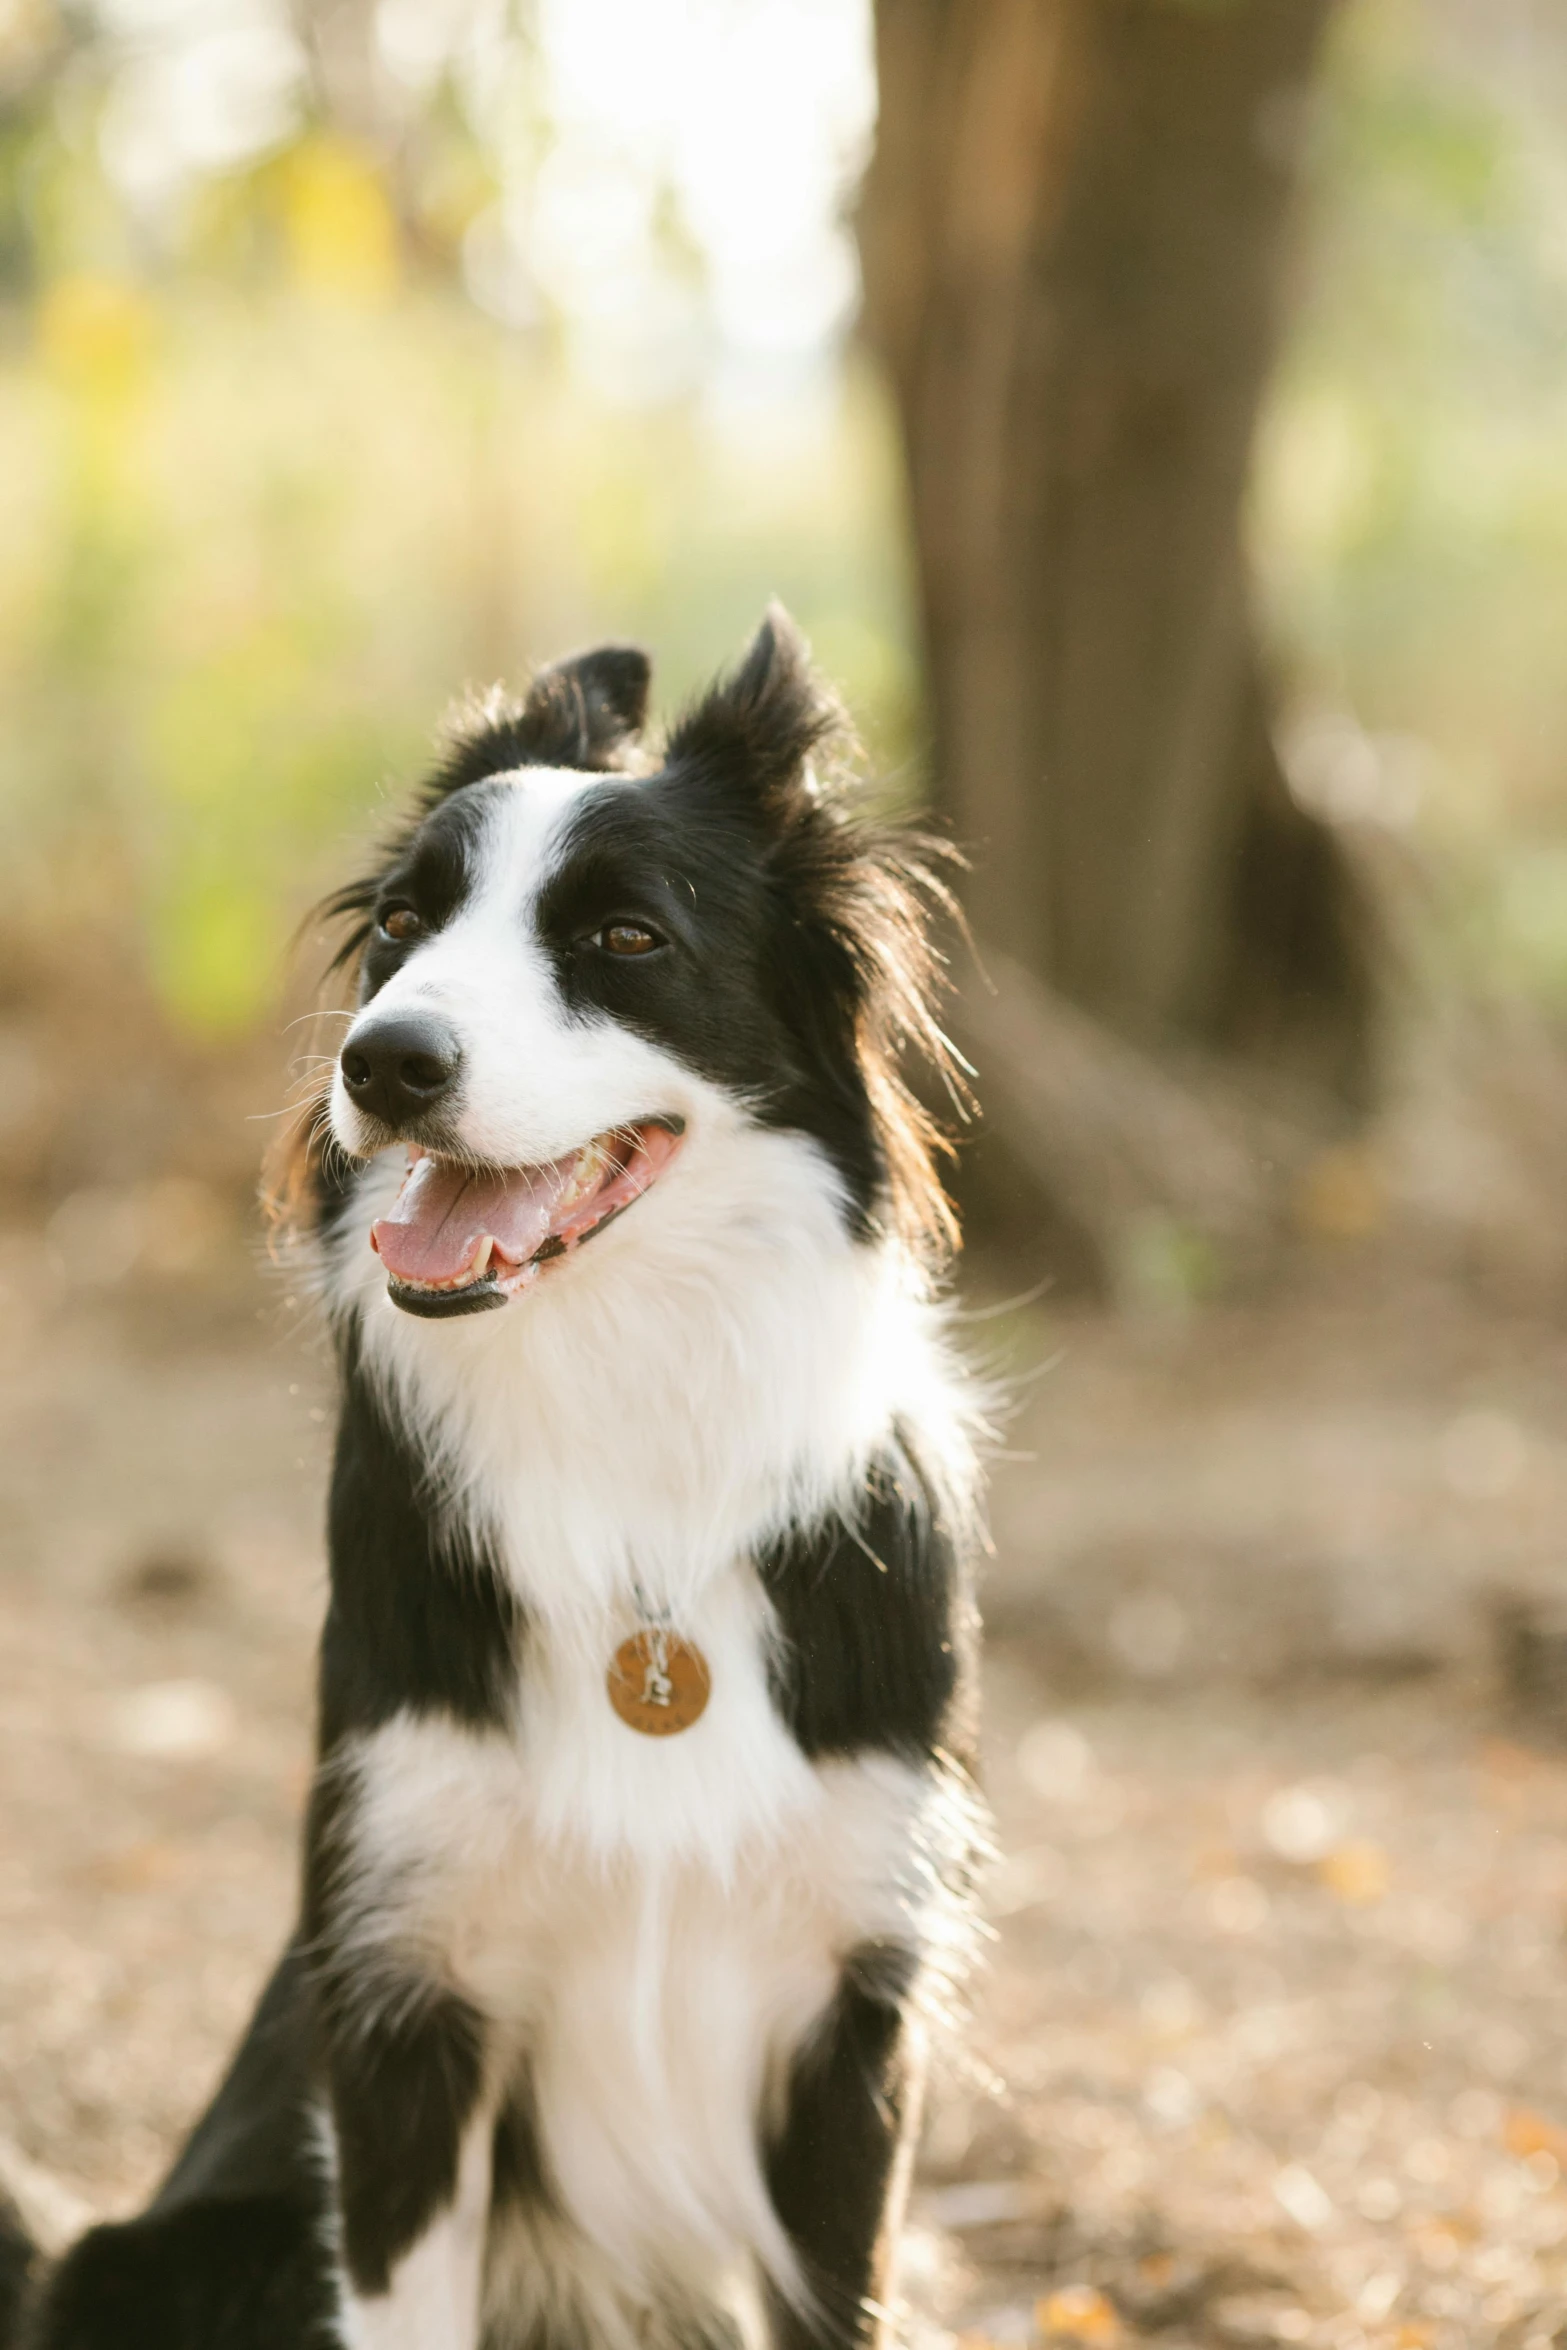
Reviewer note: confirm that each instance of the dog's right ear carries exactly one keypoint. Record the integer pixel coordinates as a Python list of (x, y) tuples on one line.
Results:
[(584, 712)]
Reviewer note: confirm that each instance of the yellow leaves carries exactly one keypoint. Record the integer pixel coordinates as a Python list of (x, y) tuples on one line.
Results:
[(1077, 2313), (338, 221), (1356, 1872), (95, 333)]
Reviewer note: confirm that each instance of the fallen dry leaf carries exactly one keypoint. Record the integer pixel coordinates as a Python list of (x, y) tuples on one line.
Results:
[(1525, 2133), (1356, 1872), (1077, 2313)]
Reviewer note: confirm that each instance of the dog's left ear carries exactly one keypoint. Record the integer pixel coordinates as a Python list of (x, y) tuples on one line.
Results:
[(754, 731), (585, 712)]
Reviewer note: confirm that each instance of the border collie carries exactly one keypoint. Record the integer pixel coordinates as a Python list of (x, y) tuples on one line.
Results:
[(639, 1853)]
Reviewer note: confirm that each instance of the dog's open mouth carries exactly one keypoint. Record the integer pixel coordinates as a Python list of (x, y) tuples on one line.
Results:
[(459, 1240)]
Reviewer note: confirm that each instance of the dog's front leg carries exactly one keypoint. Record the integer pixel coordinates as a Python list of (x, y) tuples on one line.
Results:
[(838, 2168), (412, 2141)]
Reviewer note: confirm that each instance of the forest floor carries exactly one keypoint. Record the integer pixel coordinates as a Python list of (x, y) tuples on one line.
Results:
[(1271, 2046)]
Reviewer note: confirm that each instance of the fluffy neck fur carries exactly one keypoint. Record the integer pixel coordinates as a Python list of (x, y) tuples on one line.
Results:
[(716, 1366)]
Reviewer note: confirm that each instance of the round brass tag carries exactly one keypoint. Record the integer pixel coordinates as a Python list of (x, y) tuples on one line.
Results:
[(658, 1683)]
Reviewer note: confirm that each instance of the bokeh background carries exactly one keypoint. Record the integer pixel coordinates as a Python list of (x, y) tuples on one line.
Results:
[(353, 354)]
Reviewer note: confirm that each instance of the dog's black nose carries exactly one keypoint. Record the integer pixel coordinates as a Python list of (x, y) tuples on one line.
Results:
[(397, 1069)]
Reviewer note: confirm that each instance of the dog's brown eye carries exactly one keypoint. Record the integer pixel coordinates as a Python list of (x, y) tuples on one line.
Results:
[(626, 938), (401, 923)]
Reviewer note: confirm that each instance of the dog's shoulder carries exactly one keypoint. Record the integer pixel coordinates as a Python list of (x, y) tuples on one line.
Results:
[(875, 1611)]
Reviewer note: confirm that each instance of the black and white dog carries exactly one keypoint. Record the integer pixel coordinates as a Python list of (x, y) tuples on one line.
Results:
[(642, 1830)]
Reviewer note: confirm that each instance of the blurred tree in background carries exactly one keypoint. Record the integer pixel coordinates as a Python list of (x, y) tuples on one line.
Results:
[(1075, 242)]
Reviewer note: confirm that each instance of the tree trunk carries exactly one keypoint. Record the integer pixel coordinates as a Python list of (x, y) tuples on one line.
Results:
[(1073, 237)]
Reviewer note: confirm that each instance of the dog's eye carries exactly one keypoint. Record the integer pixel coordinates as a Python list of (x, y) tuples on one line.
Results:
[(400, 923), (627, 938)]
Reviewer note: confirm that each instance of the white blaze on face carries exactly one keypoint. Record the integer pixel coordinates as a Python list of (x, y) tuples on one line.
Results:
[(537, 1081)]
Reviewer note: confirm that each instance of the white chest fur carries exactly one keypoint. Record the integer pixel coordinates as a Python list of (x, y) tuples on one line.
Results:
[(651, 1928)]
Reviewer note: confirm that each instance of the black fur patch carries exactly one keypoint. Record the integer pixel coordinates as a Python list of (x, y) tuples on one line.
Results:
[(404, 2085), (519, 2176), (877, 1623), (850, 2100), (18, 2266), (254, 2139), (414, 1623), (215, 2274)]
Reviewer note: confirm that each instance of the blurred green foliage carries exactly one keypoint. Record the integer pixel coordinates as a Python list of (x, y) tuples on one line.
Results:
[(253, 540), (274, 491), (1410, 521), (256, 547)]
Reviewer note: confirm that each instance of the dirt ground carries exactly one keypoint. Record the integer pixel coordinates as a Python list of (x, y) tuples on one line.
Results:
[(1272, 2042)]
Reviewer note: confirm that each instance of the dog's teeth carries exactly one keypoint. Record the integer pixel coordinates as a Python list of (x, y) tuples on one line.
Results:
[(586, 1176), (473, 1271)]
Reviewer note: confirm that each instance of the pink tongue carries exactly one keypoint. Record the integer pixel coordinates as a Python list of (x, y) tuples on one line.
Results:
[(443, 1212)]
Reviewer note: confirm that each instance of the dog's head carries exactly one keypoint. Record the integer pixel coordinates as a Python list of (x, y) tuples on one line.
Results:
[(574, 962)]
